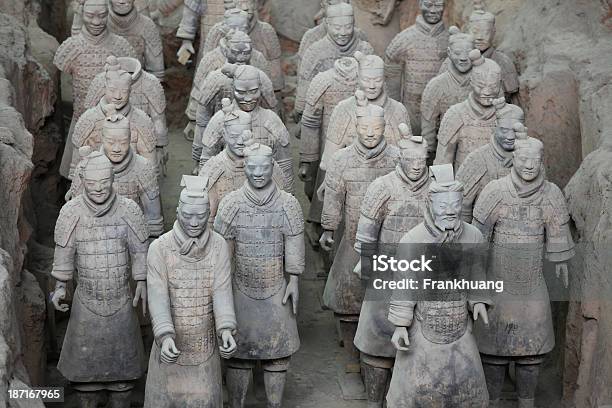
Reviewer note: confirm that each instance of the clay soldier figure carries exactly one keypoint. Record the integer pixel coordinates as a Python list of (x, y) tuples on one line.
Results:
[(437, 364), (392, 206), (340, 41), (146, 94), (493, 160), (346, 181), (192, 307), (210, 12), (341, 132), (266, 229), (104, 237), (116, 99), (447, 89), (523, 216), (134, 176), (414, 57), (251, 87), (470, 124), (83, 56), (225, 171)]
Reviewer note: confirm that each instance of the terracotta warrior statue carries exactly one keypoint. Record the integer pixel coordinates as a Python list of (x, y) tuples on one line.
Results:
[(340, 41), (392, 206), (250, 88), (209, 12), (414, 57), (261, 219), (470, 124), (493, 160), (525, 217), (191, 306), (225, 171), (146, 94), (83, 56), (104, 237), (264, 40), (341, 132), (447, 89), (134, 176), (235, 48), (352, 169), (437, 362), (116, 99)]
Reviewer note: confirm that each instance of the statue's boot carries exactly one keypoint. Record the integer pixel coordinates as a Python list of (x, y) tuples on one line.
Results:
[(495, 375), (275, 386), (89, 399), (119, 399), (375, 380), (237, 380), (526, 383)]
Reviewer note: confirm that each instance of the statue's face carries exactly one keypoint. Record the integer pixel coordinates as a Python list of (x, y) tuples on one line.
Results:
[(483, 33), (486, 88), (237, 22), (247, 93), (239, 53), (116, 144), (413, 167), (248, 6), (372, 82), (370, 131), (340, 29), (527, 163), (122, 7), (505, 137), (235, 138), (432, 10), (458, 53), (94, 17), (258, 170), (193, 217), (98, 184), (117, 91), (446, 209)]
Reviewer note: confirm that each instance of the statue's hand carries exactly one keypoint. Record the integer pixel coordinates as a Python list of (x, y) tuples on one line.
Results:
[(357, 269), (562, 273), (400, 339), (327, 240), (304, 171), (169, 353), (58, 295), (228, 346), (480, 309), (189, 131), (292, 292), (141, 293), (185, 52)]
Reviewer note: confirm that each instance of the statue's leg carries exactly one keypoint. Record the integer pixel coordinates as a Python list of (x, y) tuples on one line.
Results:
[(376, 372), (527, 372), (237, 378), (119, 399), (89, 399), (275, 373), (495, 373), (348, 328)]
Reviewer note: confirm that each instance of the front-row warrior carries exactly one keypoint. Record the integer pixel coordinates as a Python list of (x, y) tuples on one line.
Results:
[(103, 237), (192, 307), (265, 229)]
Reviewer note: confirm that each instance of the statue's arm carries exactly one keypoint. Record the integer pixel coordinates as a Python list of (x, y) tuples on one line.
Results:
[(158, 295)]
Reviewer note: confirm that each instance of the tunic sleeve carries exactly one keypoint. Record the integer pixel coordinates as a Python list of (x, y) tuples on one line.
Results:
[(447, 139), (373, 210), (311, 128), (485, 210), (559, 242), (223, 298), (63, 260), (295, 250), (188, 27), (394, 67), (401, 306), (159, 296), (138, 243), (335, 192)]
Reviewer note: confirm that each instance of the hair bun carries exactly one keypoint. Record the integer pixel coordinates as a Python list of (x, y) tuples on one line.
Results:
[(361, 98), (476, 57), (359, 55), (404, 129), (85, 151), (226, 105), (453, 30), (229, 70)]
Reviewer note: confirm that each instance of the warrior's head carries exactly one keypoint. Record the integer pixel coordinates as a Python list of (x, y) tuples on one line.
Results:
[(482, 26), (116, 138), (237, 47), (413, 154), (249, 84), (193, 208), (97, 175), (340, 22), (432, 10), (258, 165), (371, 75), (250, 7), (509, 119), (122, 7), (370, 121), (118, 83), (95, 16), (485, 79), (445, 197), (236, 19), (528, 156), (459, 47), (236, 128)]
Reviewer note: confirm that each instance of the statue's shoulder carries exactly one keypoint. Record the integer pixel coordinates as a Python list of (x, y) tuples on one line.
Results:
[(133, 217), (294, 213), (147, 176), (213, 169), (154, 92), (85, 125), (67, 221)]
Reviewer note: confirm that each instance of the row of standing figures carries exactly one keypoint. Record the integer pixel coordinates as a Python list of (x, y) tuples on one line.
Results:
[(223, 282)]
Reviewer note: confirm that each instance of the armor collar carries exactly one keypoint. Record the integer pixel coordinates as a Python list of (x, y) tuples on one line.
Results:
[(526, 188), (412, 185), (121, 168), (123, 22), (235, 161), (460, 78), (260, 197), (99, 210), (480, 112), (187, 244), (95, 39), (345, 50), (500, 154), (366, 153), (429, 29), (439, 235)]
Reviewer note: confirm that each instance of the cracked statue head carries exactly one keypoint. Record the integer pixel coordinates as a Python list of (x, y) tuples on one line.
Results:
[(459, 47), (246, 85), (95, 16), (340, 22), (527, 156), (432, 10), (445, 197), (97, 176), (485, 79), (509, 118), (258, 165), (116, 138), (413, 154), (481, 26), (118, 83), (370, 122), (236, 128), (371, 75), (237, 47), (193, 208)]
